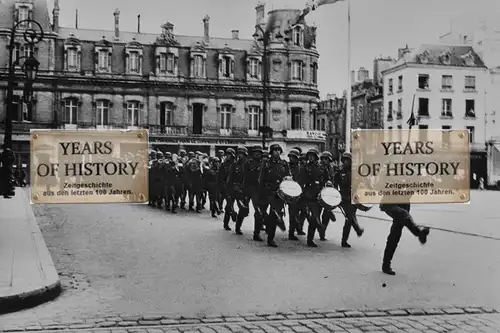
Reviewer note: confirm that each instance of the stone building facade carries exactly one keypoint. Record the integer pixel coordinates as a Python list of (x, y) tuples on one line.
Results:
[(331, 112), (194, 92)]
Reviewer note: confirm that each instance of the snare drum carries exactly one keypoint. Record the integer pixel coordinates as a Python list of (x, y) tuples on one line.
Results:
[(329, 198), (289, 191), (364, 207)]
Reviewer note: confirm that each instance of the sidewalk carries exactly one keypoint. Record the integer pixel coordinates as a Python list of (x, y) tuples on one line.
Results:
[(27, 273)]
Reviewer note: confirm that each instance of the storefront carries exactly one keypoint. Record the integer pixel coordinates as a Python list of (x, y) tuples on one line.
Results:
[(205, 145)]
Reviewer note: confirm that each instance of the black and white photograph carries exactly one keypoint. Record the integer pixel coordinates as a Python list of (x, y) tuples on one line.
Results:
[(245, 166)]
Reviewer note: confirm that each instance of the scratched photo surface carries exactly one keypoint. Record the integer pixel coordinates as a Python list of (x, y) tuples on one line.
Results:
[(410, 166), (89, 166)]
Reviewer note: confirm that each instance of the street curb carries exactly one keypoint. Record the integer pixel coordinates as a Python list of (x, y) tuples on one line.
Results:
[(51, 287), (158, 320), (30, 299)]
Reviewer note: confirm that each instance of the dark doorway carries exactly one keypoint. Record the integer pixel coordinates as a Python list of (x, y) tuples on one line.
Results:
[(197, 118)]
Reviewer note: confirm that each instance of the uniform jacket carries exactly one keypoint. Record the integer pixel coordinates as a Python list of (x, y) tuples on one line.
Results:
[(273, 172), (295, 170), (314, 178), (210, 174), (224, 171), (342, 181), (236, 176), (252, 173)]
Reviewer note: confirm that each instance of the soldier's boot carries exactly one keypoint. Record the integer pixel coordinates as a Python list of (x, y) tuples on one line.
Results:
[(300, 224), (388, 255), (292, 228), (174, 207), (257, 227), (213, 208), (346, 231), (226, 221), (239, 223), (310, 236), (325, 220), (423, 233)]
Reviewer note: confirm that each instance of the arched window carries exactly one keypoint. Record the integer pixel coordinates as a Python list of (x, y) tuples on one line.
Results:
[(298, 36)]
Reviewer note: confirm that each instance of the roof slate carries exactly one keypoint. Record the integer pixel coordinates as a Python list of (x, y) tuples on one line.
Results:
[(434, 53), (149, 38)]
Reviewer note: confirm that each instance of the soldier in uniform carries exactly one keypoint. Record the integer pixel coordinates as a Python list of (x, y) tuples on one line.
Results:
[(326, 160), (314, 178), (221, 155), (194, 174), (152, 161), (294, 208), (252, 173), (274, 170), (171, 180), (235, 185), (204, 188), (343, 182), (223, 173), (400, 214), (212, 183), (184, 184), (160, 179)]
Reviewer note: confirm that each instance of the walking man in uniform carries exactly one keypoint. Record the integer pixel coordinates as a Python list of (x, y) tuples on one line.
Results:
[(328, 215), (223, 176), (235, 184), (295, 208), (252, 174)]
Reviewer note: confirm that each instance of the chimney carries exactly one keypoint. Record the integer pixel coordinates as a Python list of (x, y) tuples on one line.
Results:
[(235, 34), (55, 17), (76, 19), (206, 34), (260, 12), (117, 23), (363, 74), (403, 51), (139, 23), (353, 77)]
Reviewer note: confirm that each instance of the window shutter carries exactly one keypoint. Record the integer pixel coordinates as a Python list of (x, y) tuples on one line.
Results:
[(158, 64), (290, 71), (303, 68), (109, 60), (30, 17), (191, 67), (79, 60), (176, 65), (232, 67), (204, 67), (259, 68), (96, 60), (140, 63), (248, 69), (62, 110), (127, 62), (16, 15), (220, 66)]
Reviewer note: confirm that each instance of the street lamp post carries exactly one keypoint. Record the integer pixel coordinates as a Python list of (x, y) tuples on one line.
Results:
[(265, 130), (30, 68)]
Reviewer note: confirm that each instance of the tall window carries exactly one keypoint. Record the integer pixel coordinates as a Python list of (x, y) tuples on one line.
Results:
[(400, 106), (470, 83), (423, 81), (72, 58), (23, 14), (471, 133), (21, 110), (469, 108), (297, 70), (133, 113), (102, 108), (134, 62), (103, 60), (298, 36), (447, 82), (29, 50), (323, 124), (390, 110), (226, 66), (446, 107), (166, 115), (71, 111), (423, 107), (296, 118), (391, 86), (314, 73), (254, 69), (198, 66), (253, 118), (400, 83), (225, 117), (167, 63)]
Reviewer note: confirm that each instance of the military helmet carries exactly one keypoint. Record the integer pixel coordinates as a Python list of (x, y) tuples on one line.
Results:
[(298, 149), (347, 155), (313, 151), (243, 150), (182, 151), (159, 154), (294, 152), (327, 154), (198, 152), (215, 159), (152, 153), (220, 152), (275, 146), (168, 154), (191, 154), (257, 149), (230, 151)]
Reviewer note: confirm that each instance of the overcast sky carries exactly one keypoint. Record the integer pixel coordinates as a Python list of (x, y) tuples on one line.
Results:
[(379, 27)]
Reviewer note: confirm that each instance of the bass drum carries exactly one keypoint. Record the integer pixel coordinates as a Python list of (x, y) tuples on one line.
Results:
[(289, 191), (329, 198), (364, 207)]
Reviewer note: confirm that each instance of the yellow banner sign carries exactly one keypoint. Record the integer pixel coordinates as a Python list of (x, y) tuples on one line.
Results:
[(85, 166), (410, 166)]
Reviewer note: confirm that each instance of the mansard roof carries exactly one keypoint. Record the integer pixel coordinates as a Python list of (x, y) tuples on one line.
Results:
[(434, 55)]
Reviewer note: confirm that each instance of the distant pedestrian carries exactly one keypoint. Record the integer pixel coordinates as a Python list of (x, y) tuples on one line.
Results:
[(481, 184)]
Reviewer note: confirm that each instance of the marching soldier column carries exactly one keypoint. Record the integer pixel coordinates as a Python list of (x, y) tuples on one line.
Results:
[(309, 187)]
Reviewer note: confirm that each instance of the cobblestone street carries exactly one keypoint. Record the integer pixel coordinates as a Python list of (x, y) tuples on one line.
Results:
[(124, 260)]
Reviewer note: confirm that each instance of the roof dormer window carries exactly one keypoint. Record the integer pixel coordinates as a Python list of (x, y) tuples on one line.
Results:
[(298, 35), (423, 57), (445, 58), (103, 54), (226, 64), (133, 57), (72, 54), (468, 58), (23, 12)]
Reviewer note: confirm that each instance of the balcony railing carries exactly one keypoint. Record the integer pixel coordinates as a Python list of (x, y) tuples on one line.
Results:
[(23, 127), (174, 130)]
